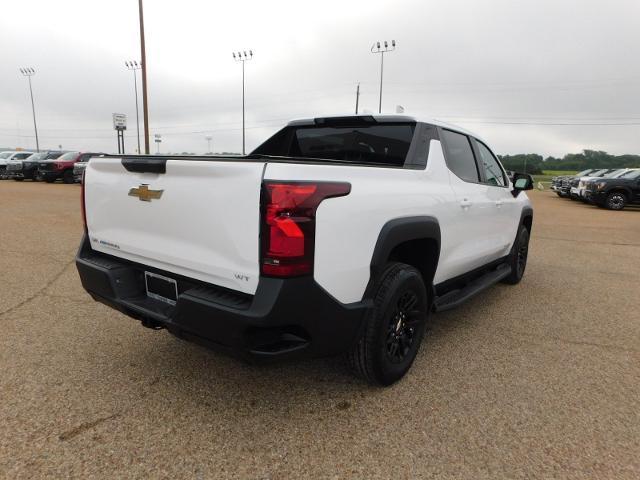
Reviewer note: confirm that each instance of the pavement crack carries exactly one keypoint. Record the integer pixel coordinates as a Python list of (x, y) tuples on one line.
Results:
[(579, 240), (83, 427), (40, 291)]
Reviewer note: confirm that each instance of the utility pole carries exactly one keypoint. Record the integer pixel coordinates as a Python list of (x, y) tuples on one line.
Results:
[(377, 48), (243, 57), (357, 97), (30, 72), (208, 138), (133, 66), (143, 63)]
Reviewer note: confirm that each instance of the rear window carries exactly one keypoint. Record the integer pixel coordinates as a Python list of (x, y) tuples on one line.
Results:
[(384, 144)]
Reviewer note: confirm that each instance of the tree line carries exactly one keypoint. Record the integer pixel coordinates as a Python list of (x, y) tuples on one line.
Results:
[(534, 164)]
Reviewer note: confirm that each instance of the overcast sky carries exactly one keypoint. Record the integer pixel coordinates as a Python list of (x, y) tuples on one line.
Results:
[(520, 73)]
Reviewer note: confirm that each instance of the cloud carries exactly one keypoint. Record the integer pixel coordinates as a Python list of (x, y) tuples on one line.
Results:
[(521, 74)]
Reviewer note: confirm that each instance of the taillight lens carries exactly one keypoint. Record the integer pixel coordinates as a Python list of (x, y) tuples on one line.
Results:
[(288, 224), (58, 166)]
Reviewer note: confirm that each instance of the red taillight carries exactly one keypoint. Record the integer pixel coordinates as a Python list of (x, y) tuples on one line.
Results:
[(289, 223), (58, 166), (82, 203)]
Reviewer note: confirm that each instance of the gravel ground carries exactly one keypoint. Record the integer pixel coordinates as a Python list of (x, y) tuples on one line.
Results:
[(540, 380)]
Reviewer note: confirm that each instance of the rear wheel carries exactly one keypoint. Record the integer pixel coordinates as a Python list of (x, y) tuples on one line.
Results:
[(518, 256), (394, 327), (616, 201)]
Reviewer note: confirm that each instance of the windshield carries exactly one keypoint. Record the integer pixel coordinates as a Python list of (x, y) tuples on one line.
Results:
[(37, 156), (6, 154), (615, 173), (631, 174), (53, 155), (69, 156), (377, 143), (597, 173), (584, 172)]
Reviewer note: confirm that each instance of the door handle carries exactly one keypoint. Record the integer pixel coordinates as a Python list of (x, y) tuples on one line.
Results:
[(465, 203), (498, 203)]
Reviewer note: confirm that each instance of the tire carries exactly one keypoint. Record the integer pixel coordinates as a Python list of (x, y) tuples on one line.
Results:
[(49, 179), (18, 179), (67, 177), (394, 327), (616, 201), (518, 257)]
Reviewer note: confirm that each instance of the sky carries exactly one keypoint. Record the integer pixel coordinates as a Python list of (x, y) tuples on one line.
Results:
[(529, 76)]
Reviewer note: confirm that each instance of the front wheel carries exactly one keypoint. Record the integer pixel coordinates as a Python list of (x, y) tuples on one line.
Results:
[(394, 327), (67, 177), (518, 256), (616, 201)]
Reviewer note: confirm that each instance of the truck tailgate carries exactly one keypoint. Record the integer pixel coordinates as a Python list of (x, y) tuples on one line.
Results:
[(204, 225)]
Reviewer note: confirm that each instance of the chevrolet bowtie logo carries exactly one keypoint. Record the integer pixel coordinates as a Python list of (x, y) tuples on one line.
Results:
[(144, 194)]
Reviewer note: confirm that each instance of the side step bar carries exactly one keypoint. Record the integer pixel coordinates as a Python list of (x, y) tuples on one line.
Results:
[(455, 298)]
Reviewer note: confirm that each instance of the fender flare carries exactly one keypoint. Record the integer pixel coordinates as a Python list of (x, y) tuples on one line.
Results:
[(398, 231), (627, 191), (527, 211)]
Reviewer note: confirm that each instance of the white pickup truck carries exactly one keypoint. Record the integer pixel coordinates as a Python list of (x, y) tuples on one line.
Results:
[(338, 235)]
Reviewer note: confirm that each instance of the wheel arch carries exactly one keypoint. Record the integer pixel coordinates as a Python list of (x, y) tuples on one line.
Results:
[(526, 218), (407, 240)]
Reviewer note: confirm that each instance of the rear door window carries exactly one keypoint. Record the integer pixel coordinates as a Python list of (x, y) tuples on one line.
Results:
[(459, 156)]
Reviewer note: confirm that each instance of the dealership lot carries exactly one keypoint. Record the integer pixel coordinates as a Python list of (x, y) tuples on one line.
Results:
[(538, 380)]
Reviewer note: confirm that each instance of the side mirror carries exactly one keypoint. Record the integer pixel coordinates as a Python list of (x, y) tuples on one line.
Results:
[(521, 181)]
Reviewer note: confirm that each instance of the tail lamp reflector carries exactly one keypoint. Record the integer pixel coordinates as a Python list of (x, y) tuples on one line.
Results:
[(288, 224)]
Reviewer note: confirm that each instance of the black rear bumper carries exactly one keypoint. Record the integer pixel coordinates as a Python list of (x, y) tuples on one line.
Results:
[(285, 318)]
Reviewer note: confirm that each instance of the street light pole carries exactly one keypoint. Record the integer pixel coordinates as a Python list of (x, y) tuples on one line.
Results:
[(133, 66), (377, 48), (143, 63), (243, 57), (30, 72), (208, 138)]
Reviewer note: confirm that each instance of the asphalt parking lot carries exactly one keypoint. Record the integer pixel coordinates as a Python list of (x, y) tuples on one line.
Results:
[(541, 380)]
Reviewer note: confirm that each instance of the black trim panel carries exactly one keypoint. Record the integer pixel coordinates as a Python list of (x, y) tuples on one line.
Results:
[(145, 164)]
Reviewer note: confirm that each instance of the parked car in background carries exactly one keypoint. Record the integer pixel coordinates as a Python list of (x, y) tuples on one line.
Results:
[(30, 165), (8, 156), (27, 168), (81, 164), (574, 182), (582, 185), (62, 167), (561, 183), (616, 193)]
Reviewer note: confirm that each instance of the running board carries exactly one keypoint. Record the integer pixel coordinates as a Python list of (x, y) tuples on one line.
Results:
[(455, 298)]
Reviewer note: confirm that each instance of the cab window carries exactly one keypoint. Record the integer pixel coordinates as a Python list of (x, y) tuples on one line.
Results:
[(459, 156), (493, 173)]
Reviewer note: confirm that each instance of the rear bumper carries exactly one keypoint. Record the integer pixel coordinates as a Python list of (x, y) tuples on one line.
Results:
[(285, 318)]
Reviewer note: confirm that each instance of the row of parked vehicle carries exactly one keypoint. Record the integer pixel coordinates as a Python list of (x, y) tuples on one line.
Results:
[(612, 188), (47, 166)]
